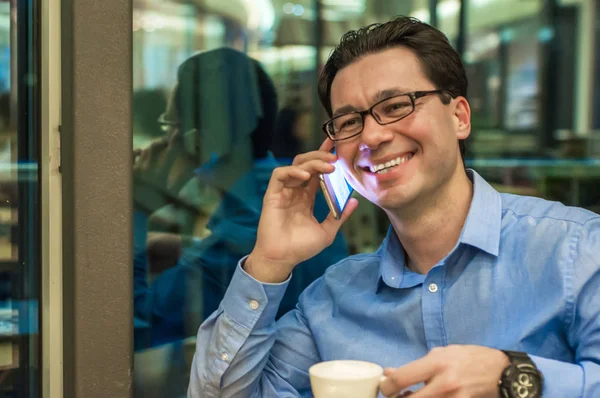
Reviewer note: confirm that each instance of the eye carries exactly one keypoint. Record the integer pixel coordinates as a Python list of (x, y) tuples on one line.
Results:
[(396, 106), (347, 122), (350, 123)]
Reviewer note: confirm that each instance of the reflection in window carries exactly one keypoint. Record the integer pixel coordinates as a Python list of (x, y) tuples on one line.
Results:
[(522, 88), (217, 106), (482, 64)]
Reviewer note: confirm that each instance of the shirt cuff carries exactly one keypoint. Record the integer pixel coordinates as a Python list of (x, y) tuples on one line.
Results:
[(561, 379), (251, 303)]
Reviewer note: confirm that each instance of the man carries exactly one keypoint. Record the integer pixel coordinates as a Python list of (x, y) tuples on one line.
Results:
[(464, 273)]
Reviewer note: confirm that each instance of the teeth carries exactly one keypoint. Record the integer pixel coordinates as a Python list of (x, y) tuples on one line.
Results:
[(385, 167)]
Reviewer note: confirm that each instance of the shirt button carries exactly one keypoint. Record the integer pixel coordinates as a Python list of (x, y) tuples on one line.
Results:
[(225, 356), (253, 304), (433, 288)]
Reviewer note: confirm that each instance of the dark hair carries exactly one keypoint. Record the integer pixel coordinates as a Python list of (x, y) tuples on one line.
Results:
[(285, 144), (263, 135), (440, 62)]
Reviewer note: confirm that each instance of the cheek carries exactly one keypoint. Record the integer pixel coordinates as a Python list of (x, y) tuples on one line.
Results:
[(347, 168), (435, 139), (425, 130), (346, 164), (345, 154)]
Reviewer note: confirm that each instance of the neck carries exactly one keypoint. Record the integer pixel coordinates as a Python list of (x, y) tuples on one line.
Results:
[(430, 229)]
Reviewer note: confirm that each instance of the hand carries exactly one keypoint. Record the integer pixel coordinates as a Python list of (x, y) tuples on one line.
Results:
[(160, 171), (288, 233), (454, 371)]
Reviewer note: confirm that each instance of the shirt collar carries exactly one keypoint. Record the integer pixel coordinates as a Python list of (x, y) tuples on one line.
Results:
[(484, 220), (481, 230), (393, 270)]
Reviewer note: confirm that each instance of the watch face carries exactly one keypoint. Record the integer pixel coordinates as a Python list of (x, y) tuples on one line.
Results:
[(523, 381)]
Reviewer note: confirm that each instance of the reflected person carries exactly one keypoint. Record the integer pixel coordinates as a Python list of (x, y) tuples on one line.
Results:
[(472, 293), (220, 121)]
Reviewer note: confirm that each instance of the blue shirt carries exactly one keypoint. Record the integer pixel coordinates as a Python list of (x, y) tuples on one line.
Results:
[(524, 276)]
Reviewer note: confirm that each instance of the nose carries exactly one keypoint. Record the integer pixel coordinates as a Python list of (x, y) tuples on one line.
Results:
[(374, 135)]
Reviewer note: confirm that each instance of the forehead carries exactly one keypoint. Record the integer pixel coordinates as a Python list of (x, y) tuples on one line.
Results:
[(396, 68)]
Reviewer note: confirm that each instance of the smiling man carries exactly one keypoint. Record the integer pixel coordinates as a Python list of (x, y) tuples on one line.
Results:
[(472, 293)]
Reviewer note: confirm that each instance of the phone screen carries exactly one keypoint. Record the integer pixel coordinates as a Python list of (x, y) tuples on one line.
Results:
[(336, 189), (342, 190)]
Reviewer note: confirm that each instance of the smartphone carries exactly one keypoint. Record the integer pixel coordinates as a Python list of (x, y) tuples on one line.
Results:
[(337, 191)]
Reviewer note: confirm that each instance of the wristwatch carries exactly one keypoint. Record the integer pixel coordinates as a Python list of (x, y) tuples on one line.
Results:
[(520, 379)]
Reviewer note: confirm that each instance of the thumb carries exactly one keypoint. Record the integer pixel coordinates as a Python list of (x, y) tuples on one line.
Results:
[(331, 225)]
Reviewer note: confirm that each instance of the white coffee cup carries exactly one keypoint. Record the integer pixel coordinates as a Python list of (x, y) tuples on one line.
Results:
[(345, 379)]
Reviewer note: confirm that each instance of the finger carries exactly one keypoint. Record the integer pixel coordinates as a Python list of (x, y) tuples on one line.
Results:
[(325, 156), (317, 166), (327, 145), (405, 376), (332, 226), (287, 177), (314, 168), (312, 186), (324, 153), (436, 388)]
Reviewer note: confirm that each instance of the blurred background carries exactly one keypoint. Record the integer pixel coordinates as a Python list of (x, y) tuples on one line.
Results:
[(533, 90), (20, 273)]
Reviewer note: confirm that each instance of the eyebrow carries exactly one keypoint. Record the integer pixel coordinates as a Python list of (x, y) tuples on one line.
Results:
[(379, 96)]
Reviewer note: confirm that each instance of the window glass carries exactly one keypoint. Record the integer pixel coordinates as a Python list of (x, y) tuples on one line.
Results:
[(222, 95), (225, 92), (20, 246)]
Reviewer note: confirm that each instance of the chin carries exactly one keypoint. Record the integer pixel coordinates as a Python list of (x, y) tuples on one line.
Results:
[(391, 200), (392, 204)]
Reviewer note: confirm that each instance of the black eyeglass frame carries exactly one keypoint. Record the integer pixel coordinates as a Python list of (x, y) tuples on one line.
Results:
[(412, 95)]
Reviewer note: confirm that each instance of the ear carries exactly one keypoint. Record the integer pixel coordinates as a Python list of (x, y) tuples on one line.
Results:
[(462, 117)]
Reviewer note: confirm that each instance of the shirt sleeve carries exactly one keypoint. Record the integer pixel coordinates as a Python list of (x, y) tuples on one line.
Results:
[(142, 307), (242, 352), (581, 379)]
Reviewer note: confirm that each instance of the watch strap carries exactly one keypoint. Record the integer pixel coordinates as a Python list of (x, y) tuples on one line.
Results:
[(517, 357)]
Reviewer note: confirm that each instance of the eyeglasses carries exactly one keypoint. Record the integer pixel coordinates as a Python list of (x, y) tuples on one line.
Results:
[(166, 124), (384, 112)]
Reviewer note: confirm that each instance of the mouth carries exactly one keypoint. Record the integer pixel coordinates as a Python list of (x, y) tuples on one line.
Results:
[(386, 167)]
